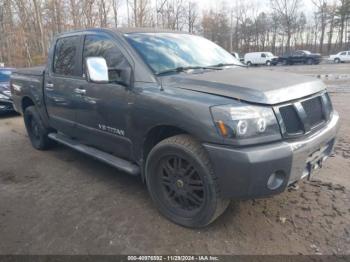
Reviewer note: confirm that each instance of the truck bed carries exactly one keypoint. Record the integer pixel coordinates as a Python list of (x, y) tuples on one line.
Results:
[(34, 71), (27, 82)]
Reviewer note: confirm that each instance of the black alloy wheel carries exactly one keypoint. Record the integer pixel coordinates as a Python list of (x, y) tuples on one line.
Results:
[(182, 182), (37, 132)]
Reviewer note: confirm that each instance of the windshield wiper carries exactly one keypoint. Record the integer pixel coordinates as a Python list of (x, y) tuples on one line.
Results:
[(184, 68), (222, 65)]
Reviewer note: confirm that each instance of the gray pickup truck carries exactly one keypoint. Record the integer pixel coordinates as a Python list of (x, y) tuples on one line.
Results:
[(197, 126)]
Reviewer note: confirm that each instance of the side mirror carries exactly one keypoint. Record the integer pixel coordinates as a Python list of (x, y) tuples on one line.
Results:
[(97, 69)]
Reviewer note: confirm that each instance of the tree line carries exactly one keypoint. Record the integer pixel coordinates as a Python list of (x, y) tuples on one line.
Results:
[(28, 26)]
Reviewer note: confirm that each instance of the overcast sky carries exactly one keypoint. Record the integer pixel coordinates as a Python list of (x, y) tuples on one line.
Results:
[(262, 5)]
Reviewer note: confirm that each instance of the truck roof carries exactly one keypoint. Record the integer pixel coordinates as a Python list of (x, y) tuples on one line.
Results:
[(123, 30)]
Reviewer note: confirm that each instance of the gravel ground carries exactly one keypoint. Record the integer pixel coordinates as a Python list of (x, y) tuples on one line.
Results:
[(62, 202)]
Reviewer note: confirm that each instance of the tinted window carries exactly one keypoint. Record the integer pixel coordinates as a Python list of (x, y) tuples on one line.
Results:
[(5, 75), (263, 55), (166, 51), (343, 53), (101, 46), (66, 56)]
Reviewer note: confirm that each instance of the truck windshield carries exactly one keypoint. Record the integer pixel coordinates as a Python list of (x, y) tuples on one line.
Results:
[(5, 75), (167, 51)]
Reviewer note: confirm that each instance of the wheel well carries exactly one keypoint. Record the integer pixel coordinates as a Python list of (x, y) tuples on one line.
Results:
[(26, 101), (157, 134)]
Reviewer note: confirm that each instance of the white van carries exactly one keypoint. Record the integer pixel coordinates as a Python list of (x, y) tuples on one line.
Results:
[(260, 58)]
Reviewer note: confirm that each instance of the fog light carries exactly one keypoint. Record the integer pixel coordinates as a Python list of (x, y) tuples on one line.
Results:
[(275, 180)]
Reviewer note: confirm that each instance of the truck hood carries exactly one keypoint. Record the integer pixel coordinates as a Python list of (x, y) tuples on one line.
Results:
[(252, 85)]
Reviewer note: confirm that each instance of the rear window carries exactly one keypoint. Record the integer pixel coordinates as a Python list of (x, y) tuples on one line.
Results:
[(5, 75), (66, 56)]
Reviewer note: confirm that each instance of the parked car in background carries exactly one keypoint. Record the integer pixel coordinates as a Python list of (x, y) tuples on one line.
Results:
[(341, 57), (236, 55), (300, 57), (5, 92), (260, 58)]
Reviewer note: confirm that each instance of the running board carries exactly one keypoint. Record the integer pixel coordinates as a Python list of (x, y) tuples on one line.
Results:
[(114, 161)]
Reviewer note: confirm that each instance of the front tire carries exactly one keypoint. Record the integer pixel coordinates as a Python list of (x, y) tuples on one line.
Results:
[(310, 61), (182, 183), (37, 132), (337, 61), (268, 63)]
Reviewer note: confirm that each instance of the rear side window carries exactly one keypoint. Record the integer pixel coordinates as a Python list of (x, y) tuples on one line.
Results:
[(102, 46), (66, 56), (343, 53), (5, 75)]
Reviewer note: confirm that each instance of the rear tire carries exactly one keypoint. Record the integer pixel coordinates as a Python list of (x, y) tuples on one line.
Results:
[(36, 130), (249, 63), (182, 183)]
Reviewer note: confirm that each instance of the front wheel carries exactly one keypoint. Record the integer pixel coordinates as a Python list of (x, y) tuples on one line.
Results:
[(182, 183), (337, 60), (37, 132), (310, 61), (268, 63)]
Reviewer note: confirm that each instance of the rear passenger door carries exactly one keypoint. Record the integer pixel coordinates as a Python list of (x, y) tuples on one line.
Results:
[(298, 57), (348, 57), (103, 113), (60, 82), (343, 56)]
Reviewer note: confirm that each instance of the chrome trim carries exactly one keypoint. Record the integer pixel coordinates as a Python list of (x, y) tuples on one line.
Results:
[(303, 148), (299, 109)]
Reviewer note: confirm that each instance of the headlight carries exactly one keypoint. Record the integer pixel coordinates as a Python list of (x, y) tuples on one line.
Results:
[(246, 124), (7, 93), (3, 97)]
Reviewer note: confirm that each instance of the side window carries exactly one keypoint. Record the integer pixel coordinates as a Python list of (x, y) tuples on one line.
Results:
[(343, 53), (263, 55), (66, 56), (102, 46)]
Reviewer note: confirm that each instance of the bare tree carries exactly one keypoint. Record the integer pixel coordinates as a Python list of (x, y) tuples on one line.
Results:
[(288, 11), (115, 7), (342, 16), (321, 17)]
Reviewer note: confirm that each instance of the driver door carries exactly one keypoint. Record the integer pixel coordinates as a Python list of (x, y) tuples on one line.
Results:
[(102, 113)]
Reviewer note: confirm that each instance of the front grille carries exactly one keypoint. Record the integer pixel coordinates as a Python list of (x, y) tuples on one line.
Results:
[(302, 117), (293, 125), (314, 111)]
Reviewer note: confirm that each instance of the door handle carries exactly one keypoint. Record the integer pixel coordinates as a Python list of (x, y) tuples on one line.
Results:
[(80, 91), (49, 85)]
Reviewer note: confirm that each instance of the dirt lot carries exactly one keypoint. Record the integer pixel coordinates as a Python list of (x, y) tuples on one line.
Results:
[(62, 202)]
